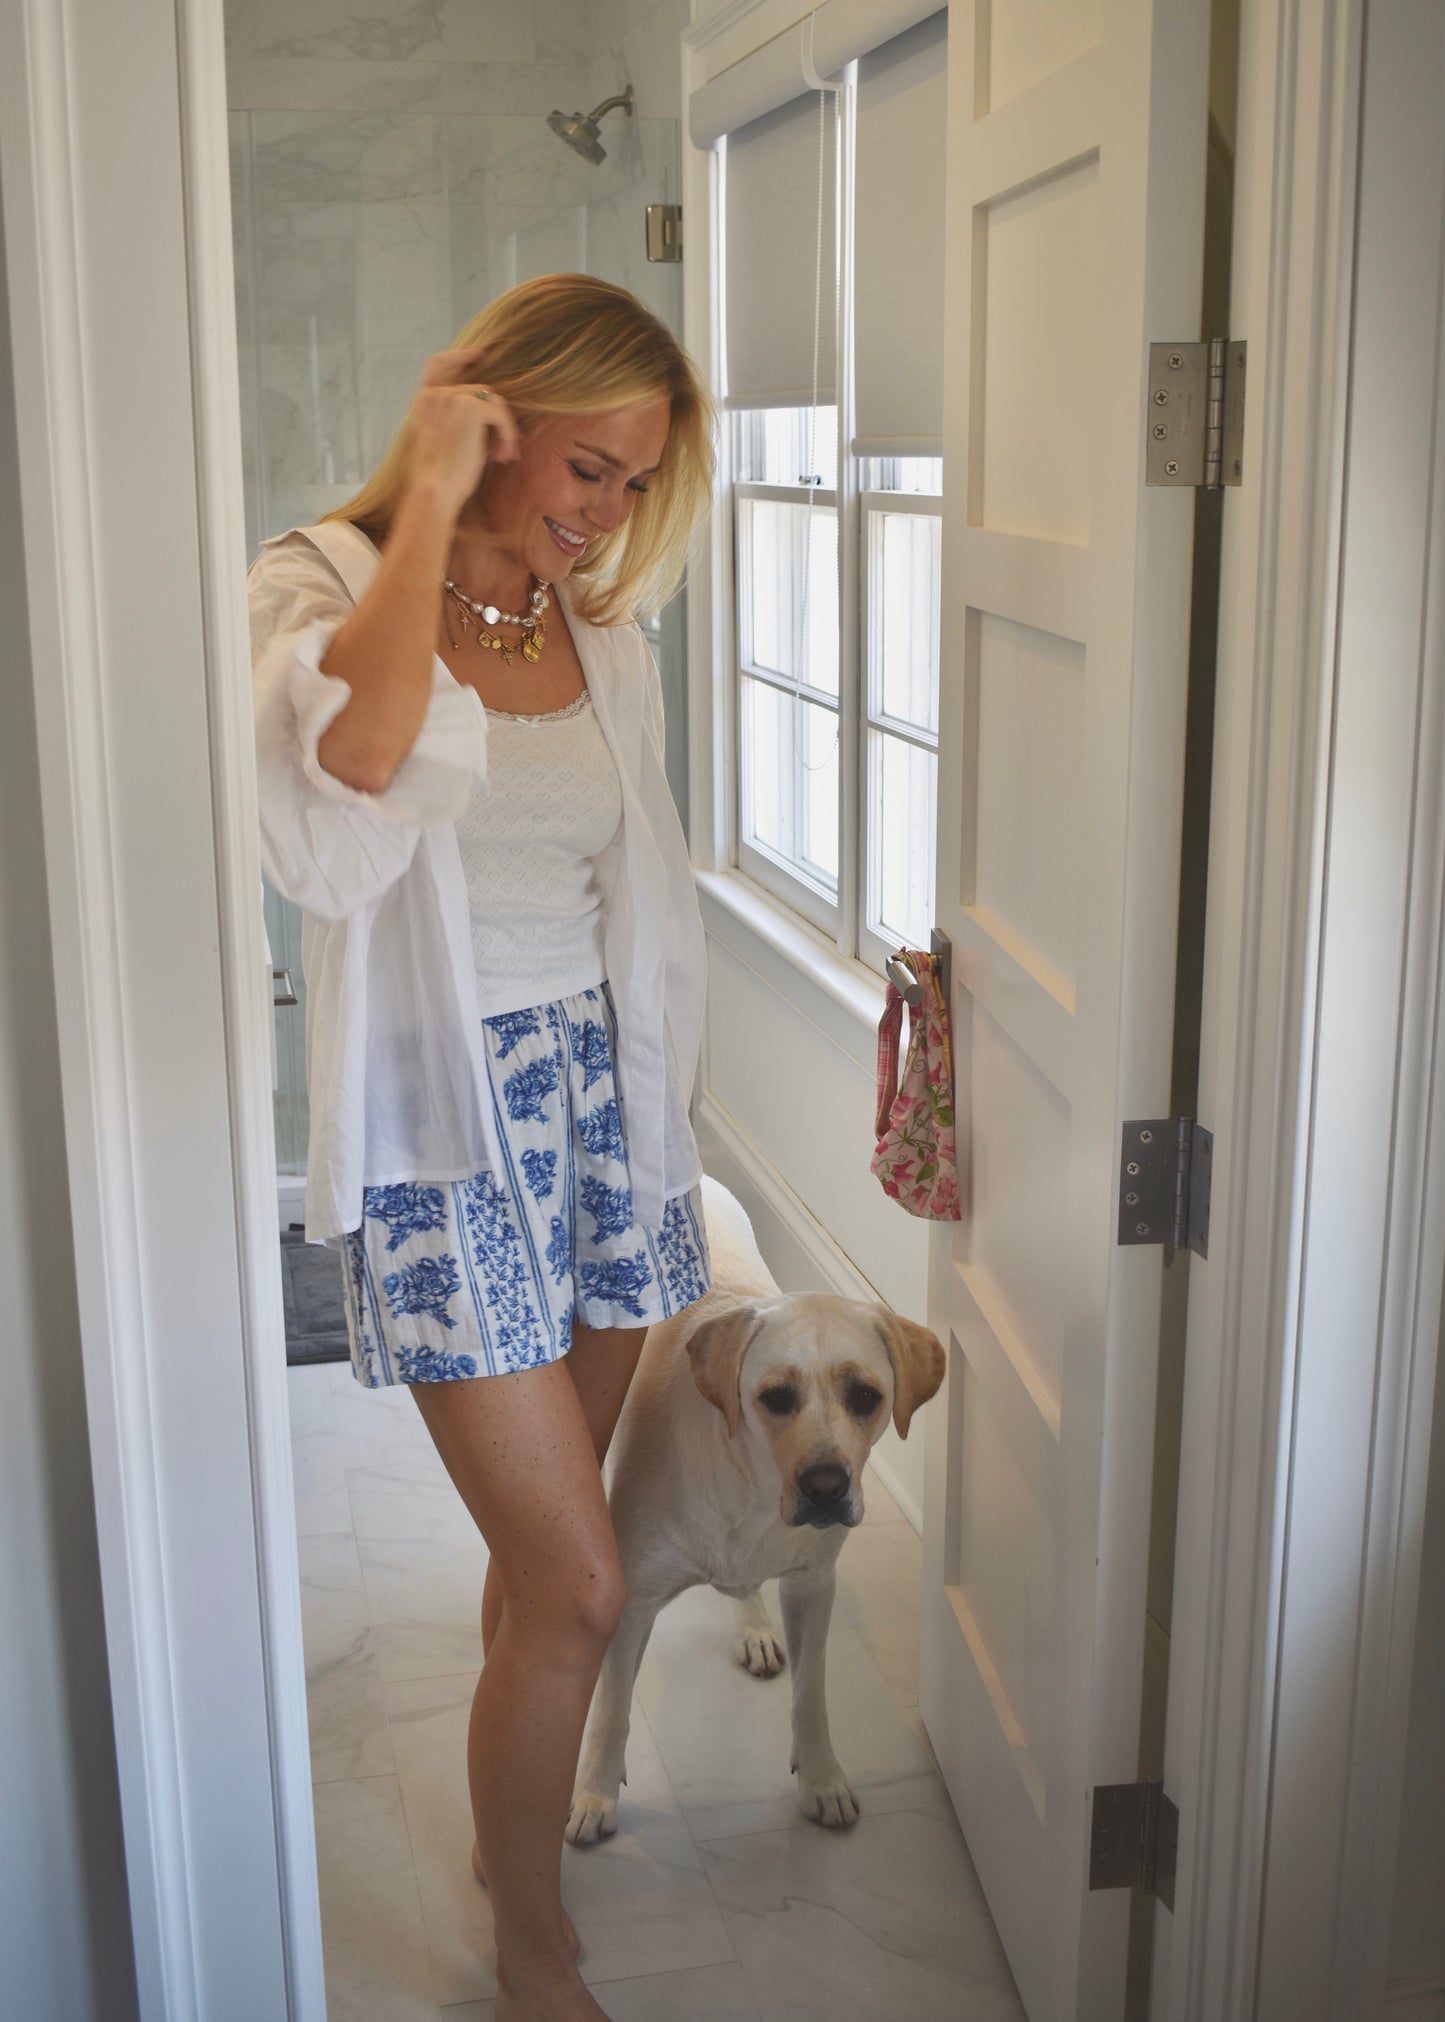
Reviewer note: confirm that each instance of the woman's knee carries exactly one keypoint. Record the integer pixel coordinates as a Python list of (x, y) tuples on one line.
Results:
[(576, 1609), (605, 1602)]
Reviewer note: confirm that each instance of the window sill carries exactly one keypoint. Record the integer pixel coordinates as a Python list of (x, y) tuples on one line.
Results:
[(843, 998)]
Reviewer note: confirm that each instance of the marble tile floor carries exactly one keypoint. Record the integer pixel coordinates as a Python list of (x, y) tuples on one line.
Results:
[(716, 1898)]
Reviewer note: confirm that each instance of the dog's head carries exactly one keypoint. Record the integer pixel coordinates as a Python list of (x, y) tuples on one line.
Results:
[(812, 1381)]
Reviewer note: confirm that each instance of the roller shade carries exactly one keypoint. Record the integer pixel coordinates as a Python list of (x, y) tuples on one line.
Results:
[(772, 75), (771, 201), (898, 241)]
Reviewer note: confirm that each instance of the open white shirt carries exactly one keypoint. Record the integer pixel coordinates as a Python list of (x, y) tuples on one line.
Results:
[(396, 1074)]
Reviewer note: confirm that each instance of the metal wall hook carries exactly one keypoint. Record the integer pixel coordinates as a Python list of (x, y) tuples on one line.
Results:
[(903, 979)]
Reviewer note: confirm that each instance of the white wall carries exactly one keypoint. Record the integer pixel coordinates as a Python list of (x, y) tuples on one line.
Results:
[(1417, 1935), (64, 1923), (785, 1118)]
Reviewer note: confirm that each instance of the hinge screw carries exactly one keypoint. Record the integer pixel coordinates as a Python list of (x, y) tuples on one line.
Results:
[(1132, 1168), (1141, 1228), (1146, 1137), (1161, 398), (1172, 468), (1131, 1200), (1176, 359), (1160, 431)]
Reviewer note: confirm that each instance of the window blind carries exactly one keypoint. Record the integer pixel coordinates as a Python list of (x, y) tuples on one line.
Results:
[(771, 237), (771, 74), (898, 244)]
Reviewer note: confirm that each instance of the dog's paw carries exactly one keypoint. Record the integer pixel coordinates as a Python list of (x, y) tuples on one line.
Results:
[(760, 1652), (829, 1801), (592, 1818)]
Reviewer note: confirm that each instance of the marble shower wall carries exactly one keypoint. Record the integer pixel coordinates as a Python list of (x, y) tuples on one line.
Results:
[(365, 239)]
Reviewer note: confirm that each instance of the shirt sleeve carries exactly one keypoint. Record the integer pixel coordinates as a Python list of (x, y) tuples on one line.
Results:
[(328, 846)]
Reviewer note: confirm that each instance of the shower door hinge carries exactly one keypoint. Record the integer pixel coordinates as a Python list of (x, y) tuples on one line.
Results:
[(1166, 1169), (664, 232), (1196, 414), (1134, 1839)]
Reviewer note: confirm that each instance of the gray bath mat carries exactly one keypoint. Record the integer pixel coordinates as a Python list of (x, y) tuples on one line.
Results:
[(311, 1294)]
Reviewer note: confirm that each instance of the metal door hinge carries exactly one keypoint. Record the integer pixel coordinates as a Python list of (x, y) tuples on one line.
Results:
[(1166, 1170), (1134, 1839), (1196, 414), (664, 232)]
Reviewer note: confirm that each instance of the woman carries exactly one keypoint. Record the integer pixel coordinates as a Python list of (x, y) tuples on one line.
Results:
[(459, 731)]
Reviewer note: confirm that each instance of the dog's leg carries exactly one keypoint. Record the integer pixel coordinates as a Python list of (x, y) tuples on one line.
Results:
[(823, 1789), (602, 1769), (757, 1648)]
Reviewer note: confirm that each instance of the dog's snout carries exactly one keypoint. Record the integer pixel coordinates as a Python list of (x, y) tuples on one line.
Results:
[(824, 1484)]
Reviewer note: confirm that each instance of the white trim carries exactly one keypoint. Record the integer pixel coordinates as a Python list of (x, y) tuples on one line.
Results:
[(734, 1157), (41, 231), (1294, 221), (245, 982), (187, 1426)]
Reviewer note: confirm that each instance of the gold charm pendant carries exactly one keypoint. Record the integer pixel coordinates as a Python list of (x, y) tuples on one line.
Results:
[(531, 651)]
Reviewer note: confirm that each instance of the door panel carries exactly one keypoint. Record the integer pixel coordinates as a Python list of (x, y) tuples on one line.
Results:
[(1075, 220)]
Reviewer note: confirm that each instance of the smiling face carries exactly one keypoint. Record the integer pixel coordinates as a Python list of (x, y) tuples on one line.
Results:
[(578, 478)]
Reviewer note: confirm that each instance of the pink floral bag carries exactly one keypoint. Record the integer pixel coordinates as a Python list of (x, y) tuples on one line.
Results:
[(917, 1156)]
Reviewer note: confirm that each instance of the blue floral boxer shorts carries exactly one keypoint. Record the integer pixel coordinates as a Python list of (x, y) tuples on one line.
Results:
[(483, 1276)]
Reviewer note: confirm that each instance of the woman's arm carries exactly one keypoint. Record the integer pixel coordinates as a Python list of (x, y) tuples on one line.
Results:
[(386, 649)]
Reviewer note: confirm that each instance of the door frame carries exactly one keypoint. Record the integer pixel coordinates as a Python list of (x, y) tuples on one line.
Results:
[(1263, 1859), (123, 322), (77, 95)]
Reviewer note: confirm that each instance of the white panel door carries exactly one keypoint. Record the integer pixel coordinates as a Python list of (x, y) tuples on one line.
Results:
[(1076, 189)]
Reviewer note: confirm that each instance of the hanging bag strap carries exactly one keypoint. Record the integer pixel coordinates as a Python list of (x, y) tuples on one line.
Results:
[(890, 1027)]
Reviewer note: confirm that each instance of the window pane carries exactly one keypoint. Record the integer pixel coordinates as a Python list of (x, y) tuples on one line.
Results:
[(773, 445), (903, 798), (903, 559), (917, 474), (789, 573), (790, 780)]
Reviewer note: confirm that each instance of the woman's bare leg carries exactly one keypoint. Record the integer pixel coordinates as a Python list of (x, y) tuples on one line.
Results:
[(521, 1454), (601, 1362)]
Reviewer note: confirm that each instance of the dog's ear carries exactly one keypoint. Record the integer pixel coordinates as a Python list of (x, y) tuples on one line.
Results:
[(918, 1364), (716, 1348)]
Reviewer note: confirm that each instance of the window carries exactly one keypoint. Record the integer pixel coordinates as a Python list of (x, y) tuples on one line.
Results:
[(791, 677), (834, 371)]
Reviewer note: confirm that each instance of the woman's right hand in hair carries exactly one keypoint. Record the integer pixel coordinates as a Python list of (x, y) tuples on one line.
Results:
[(457, 429), (386, 649)]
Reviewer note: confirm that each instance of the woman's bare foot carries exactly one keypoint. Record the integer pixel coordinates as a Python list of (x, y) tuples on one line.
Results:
[(569, 1929), (569, 2002)]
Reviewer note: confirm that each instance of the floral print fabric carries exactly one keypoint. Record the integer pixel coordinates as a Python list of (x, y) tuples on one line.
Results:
[(916, 1156), (483, 1276)]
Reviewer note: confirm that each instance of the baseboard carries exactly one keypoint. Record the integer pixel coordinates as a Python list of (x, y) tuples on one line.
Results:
[(797, 1249)]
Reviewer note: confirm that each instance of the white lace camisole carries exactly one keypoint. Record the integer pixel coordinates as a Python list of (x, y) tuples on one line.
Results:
[(527, 850)]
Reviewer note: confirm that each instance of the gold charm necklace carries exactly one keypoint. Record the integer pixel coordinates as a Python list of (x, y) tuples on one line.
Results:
[(486, 616)]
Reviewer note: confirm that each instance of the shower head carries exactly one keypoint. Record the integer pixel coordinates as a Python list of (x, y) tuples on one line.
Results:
[(580, 129)]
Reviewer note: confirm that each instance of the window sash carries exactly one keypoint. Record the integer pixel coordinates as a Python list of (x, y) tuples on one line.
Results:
[(873, 947)]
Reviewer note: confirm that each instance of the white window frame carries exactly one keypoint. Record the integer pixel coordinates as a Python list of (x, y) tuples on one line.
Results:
[(785, 881), (872, 947)]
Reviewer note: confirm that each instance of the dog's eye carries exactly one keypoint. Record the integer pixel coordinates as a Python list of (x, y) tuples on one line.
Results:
[(780, 1400), (863, 1400)]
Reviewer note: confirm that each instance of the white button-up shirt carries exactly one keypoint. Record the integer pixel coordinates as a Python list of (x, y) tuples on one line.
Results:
[(396, 1074)]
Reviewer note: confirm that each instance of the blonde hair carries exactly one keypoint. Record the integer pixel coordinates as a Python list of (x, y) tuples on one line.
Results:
[(569, 344)]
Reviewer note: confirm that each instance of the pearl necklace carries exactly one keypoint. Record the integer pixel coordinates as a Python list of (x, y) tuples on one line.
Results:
[(486, 616)]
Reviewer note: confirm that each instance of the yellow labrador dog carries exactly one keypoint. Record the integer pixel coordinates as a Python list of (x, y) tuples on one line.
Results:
[(739, 1458)]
